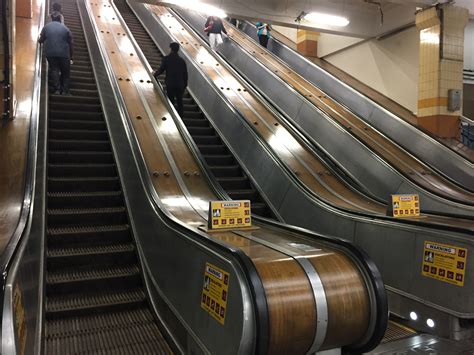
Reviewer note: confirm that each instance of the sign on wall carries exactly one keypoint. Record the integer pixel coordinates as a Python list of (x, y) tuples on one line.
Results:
[(215, 290), (444, 262)]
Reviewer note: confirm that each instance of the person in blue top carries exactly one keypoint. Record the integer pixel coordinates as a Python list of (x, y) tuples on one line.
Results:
[(58, 44), (263, 32)]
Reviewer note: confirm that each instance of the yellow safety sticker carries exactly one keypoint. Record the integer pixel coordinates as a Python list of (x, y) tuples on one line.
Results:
[(215, 292), (405, 206), (229, 214), (20, 321), (444, 262)]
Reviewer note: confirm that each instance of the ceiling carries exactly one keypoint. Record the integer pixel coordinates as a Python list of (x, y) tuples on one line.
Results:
[(364, 15)]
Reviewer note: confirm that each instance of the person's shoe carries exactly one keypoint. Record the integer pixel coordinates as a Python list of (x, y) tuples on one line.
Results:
[(56, 92)]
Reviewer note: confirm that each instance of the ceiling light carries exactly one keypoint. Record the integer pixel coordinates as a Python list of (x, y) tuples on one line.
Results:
[(430, 323), (325, 19), (413, 316), (198, 7)]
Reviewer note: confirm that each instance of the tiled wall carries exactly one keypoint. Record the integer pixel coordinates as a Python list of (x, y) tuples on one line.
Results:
[(307, 42), (441, 65)]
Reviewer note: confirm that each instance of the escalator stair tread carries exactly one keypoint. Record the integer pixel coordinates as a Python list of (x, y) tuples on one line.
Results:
[(78, 274), (74, 184), (88, 236), (71, 252), (85, 194), (73, 100), (79, 145), (84, 107), (97, 322), (76, 157), (71, 115), (78, 211), (88, 229), (127, 332), (70, 200), (84, 125), (86, 302), (191, 123)]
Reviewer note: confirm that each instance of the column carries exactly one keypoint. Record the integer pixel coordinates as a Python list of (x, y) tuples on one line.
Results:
[(440, 67), (307, 43)]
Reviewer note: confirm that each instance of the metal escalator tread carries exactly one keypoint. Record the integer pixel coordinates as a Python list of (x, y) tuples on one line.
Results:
[(95, 299), (200, 129)]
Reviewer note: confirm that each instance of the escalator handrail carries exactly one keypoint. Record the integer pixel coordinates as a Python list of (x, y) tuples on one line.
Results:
[(8, 254), (254, 281)]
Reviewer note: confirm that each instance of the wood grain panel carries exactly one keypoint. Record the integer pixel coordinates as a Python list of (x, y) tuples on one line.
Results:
[(14, 133)]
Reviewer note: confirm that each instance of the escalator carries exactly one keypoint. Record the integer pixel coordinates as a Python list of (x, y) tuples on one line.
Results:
[(95, 299), (438, 153), (220, 160)]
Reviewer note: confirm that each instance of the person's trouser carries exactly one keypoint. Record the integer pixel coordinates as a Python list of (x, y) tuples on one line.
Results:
[(59, 73), (176, 92), (215, 39), (263, 40)]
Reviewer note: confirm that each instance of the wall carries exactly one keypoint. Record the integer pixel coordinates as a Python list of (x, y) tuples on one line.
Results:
[(469, 46), (329, 43), (288, 32), (390, 66)]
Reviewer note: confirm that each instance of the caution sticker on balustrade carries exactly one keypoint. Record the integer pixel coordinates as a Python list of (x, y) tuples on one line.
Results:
[(229, 214), (444, 262), (215, 290), (405, 206)]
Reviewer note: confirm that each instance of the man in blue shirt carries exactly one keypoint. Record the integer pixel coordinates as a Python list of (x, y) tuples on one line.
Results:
[(58, 44)]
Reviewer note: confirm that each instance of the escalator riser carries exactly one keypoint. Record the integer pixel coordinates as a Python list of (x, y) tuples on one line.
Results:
[(88, 236), (90, 217)]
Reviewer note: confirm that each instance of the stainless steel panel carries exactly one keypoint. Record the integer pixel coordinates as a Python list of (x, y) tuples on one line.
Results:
[(429, 150)]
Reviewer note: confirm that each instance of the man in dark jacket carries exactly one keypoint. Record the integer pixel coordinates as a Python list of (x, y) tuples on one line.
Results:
[(176, 76), (58, 44)]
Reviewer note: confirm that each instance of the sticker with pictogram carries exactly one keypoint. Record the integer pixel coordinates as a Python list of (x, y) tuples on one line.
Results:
[(215, 290), (444, 262), (405, 206), (229, 214)]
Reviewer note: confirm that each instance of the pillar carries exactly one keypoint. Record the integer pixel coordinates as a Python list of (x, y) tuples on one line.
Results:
[(307, 43), (440, 68)]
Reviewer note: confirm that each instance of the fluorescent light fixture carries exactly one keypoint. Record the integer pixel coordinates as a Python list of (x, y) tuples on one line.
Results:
[(430, 323), (198, 6), (413, 316), (325, 19)]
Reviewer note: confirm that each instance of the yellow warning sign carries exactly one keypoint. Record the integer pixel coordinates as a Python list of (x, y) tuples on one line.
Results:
[(229, 214), (215, 292), (405, 205), (444, 262), (20, 321)]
